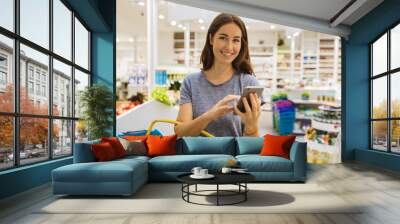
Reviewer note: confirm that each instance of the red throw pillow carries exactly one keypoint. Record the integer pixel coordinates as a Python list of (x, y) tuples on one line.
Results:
[(161, 145), (116, 145), (277, 145), (103, 152)]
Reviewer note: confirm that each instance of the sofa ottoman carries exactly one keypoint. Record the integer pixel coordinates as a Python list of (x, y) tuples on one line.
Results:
[(119, 177)]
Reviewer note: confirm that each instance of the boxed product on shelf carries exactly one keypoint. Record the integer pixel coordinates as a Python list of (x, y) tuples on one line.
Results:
[(284, 116)]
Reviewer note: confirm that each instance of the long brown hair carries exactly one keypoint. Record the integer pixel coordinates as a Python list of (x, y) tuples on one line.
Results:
[(242, 61)]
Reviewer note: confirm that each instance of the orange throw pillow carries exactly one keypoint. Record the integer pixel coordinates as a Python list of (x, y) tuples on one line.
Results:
[(277, 145), (161, 145), (116, 145), (103, 152)]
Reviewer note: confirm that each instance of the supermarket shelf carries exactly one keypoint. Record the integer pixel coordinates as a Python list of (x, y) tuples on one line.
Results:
[(321, 147), (302, 117), (299, 101), (325, 126)]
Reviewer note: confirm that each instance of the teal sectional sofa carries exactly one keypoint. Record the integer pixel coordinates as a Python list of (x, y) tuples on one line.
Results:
[(125, 176)]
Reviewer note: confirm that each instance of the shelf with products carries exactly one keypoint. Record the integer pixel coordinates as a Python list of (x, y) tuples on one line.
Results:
[(323, 137), (263, 61), (305, 109), (313, 60), (196, 44)]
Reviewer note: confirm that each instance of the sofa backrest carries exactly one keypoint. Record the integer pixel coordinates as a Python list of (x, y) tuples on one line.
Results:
[(204, 145), (83, 153), (249, 145)]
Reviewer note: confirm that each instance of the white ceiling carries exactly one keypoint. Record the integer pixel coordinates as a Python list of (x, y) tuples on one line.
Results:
[(314, 15), (131, 19), (320, 9), (311, 15)]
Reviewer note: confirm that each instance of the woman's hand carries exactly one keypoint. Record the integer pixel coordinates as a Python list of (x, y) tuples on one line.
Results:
[(251, 115), (223, 107)]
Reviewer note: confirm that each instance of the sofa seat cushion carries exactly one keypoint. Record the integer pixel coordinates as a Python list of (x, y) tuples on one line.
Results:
[(185, 163), (257, 163), (133, 158), (112, 171)]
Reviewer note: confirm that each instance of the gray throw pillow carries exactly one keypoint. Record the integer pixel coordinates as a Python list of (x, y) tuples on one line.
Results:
[(135, 147)]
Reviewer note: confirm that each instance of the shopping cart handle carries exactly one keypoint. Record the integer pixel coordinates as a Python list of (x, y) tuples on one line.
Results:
[(172, 122)]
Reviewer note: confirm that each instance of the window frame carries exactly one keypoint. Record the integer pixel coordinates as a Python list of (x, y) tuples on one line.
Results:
[(388, 74), (16, 114)]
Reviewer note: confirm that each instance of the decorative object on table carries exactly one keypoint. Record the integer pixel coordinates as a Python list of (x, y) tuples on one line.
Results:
[(237, 170), (196, 170), (200, 173), (226, 170), (97, 105), (231, 163), (305, 96), (202, 177)]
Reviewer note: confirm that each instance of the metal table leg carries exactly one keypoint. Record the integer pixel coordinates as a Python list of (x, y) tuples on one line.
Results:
[(217, 194)]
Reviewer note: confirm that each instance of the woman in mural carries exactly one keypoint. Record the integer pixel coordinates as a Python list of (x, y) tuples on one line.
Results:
[(208, 98)]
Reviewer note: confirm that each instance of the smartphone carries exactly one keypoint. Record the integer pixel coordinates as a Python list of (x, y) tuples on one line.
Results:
[(246, 93)]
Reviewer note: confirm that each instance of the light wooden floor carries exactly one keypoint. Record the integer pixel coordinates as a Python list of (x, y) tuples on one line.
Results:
[(377, 188)]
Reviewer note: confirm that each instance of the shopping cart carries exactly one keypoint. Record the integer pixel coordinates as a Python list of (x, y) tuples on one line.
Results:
[(150, 128), (151, 131)]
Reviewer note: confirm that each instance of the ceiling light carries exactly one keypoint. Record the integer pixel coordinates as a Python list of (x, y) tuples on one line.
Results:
[(141, 3), (180, 25), (161, 16), (202, 28), (272, 27), (289, 37), (173, 23), (184, 28), (247, 27), (117, 40), (131, 39), (296, 34), (200, 21)]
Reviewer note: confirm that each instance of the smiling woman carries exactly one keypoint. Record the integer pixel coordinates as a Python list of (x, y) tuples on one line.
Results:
[(208, 97)]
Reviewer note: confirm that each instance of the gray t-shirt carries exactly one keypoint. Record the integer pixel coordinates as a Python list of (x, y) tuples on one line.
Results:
[(203, 95)]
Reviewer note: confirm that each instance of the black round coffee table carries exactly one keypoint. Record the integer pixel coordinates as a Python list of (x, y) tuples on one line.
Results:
[(238, 179)]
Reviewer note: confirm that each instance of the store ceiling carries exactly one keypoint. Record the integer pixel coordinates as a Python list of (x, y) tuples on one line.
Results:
[(319, 9), (131, 20), (314, 15)]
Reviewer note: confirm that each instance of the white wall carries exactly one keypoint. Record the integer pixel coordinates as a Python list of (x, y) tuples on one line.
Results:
[(165, 47)]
